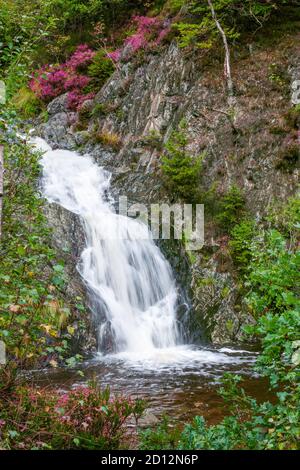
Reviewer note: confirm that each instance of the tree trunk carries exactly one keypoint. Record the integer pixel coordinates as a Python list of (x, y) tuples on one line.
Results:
[(227, 67), (1, 183)]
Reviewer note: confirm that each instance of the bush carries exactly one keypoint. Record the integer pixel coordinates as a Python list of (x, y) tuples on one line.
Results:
[(51, 81), (26, 102), (252, 426), (109, 139), (272, 283), (240, 244), (162, 437), (149, 32), (181, 171), (101, 68), (33, 311), (232, 208), (273, 280), (273, 274), (83, 418), (237, 18), (285, 218)]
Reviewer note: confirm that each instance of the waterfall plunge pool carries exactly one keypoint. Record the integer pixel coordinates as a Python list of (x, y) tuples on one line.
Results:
[(180, 382)]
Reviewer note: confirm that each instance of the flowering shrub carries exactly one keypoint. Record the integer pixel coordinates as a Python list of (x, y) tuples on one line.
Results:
[(115, 56), (83, 418), (76, 99), (81, 57), (145, 27), (150, 32), (53, 80)]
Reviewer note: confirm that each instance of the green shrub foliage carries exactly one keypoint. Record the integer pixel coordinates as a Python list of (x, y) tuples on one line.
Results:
[(181, 171), (241, 243), (232, 208), (101, 68), (272, 284)]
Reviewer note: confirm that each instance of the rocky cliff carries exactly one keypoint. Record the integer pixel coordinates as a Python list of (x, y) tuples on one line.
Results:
[(250, 143)]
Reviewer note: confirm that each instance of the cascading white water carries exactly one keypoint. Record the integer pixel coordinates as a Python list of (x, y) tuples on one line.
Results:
[(130, 280)]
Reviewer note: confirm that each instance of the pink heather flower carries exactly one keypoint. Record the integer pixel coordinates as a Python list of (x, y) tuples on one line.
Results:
[(51, 81), (77, 81), (75, 99), (57, 76), (63, 399), (145, 23), (137, 41), (81, 57), (115, 56), (146, 27), (163, 33)]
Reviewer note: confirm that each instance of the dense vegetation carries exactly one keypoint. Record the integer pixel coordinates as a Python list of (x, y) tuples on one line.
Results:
[(272, 293), (73, 46), (36, 325)]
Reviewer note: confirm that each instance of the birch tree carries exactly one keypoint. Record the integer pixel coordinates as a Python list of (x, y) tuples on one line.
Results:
[(227, 65)]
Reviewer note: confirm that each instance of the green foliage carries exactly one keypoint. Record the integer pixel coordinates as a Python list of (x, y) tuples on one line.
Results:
[(241, 243), (181, 171), (274, 274), (76, 14), (198, 436), (232, 208), (101, 68), (235, 17), (153, 140), (99, 110), (272, 283), (271, 427), (83, 418), (32, 310), (20, 35), (26, 103), (285, 218), (162, 437)]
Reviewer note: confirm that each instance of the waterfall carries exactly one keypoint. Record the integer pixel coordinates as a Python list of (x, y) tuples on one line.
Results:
[(130, 281)]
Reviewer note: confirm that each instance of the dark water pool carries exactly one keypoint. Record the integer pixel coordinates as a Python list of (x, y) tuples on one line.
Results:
[(180, 382)]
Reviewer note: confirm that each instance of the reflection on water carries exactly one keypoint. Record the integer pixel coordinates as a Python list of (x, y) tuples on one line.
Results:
[(181, 382)]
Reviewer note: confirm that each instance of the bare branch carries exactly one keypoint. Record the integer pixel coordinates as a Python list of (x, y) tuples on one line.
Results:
[(227, 67)]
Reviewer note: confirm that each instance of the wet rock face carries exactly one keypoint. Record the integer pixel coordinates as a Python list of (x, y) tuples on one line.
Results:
[(57, 129), (218, 310), (241, 148), (69, 242)]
